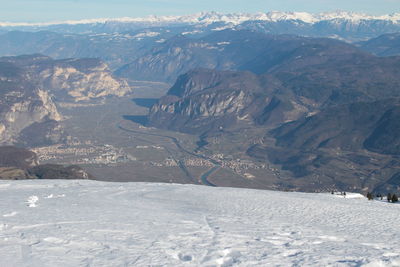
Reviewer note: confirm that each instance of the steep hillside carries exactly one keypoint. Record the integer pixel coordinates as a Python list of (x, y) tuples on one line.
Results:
[(384, 45), (71, 79), (349, 146), (11, 156), (20, 164), (29, 85), (222, 50), (304, 78), (22, 103), (190, 106), (355, 126), (115, 49)]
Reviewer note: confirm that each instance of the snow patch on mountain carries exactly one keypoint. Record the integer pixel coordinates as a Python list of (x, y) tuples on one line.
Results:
[(146, 34)]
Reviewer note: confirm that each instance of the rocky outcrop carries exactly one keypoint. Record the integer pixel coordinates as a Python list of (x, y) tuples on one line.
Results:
[(22, 103), (54, 171), (30, 85), (11, 156), (71, 79), (205, 100), (81, 80)]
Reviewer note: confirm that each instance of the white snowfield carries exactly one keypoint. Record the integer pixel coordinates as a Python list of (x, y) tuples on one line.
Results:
[(88, 223)]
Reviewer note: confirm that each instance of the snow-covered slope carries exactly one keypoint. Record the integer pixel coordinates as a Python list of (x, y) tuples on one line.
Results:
[(87, 223)]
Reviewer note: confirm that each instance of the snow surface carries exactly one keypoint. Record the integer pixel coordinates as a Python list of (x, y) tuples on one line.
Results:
[(89, 223), (213, 17)]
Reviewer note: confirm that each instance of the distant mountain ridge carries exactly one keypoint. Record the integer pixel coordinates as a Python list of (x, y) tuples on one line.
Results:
[(136, 47), (223, 50), (341, 25), (213, 17)]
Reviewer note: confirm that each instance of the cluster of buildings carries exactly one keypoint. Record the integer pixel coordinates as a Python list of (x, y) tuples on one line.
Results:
[(83, 154)]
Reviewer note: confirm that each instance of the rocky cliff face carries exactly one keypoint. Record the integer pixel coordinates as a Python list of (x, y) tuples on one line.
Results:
[(78, 80), (71, 79), (29, 85), (205, 100), (22, 103)]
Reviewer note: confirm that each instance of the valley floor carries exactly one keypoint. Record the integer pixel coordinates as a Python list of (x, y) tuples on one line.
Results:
[(89, 223)]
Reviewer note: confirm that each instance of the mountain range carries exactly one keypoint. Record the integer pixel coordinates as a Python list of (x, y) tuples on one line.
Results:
[(320, 95), (340, 25), (127, 40), (288, 77), (214, 17), (322, 89)]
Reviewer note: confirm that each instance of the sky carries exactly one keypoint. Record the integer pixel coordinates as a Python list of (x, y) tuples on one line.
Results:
[(57, 10)]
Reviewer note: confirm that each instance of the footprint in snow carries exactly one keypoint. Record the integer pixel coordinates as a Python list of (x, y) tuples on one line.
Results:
[(31, 201), (183, 257)]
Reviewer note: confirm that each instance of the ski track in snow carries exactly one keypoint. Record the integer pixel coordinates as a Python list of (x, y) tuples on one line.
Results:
[(88, 223)]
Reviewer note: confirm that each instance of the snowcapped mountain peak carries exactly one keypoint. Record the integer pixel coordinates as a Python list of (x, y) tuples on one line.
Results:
[(213, 17), (281, 16), (353, 16)]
